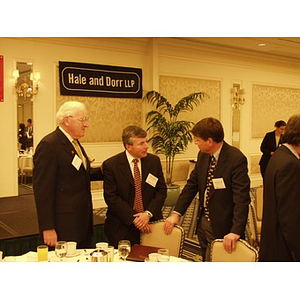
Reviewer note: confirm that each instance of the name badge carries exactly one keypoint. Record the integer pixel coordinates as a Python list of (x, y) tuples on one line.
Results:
[(151, 179), (76, 162), (218, 183)]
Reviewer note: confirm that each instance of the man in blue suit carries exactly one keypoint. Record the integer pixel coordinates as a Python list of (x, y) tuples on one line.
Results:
[(224, 206)]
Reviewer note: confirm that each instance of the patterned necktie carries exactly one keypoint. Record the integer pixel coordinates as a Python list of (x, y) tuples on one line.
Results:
[(138, 203), (79, 152), (210, 175)]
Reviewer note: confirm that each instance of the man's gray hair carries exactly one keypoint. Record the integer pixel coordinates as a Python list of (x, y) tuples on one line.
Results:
[(131, 132), (69, 108)]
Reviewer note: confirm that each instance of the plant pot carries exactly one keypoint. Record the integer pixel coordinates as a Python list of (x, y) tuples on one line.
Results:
[(173, 193)]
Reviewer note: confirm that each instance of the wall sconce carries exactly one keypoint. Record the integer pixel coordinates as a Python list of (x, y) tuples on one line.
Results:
[(26, 90), (237, 96)]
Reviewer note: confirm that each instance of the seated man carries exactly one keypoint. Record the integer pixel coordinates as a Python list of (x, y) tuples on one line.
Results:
[(134, 189)]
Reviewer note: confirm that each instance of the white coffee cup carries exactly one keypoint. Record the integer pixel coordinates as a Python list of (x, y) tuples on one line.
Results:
[(102, 246), (153, 257), (71, 248)]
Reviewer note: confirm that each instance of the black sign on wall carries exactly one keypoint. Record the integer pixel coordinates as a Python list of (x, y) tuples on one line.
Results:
[(79, 79)]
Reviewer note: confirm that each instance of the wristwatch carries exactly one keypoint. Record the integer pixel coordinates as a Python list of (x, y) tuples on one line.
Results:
[(148, 213)]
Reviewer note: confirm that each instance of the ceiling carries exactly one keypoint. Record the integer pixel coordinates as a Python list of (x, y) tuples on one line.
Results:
[(288, 47)]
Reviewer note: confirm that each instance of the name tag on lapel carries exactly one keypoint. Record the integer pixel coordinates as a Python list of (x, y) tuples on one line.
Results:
[(218, 183), (76, 162), (151, 179)]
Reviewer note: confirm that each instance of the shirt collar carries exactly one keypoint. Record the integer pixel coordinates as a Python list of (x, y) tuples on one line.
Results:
[(130, 157), (66, 134), (217, 153), (291, 148)]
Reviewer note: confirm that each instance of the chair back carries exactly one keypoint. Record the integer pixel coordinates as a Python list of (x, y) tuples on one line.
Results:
[(158, 238), (252, 225), (243, 252), (259, 203)]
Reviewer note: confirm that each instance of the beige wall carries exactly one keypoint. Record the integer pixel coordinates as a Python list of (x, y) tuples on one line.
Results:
[(174, 67)]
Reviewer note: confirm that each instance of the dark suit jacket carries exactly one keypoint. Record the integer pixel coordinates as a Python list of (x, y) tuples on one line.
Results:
[(281, 210), (62, 193), (268, 145), (228, 207), (119, 193)]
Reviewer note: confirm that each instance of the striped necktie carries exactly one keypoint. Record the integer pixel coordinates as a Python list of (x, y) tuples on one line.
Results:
[(138, 202), (79, 152), (210, 175)]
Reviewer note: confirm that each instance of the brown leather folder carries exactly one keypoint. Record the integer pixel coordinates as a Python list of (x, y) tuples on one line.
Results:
[(140, 252)]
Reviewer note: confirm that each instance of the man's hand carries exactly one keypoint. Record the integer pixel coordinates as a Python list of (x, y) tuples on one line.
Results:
[(50, 237), (229, 241), (170, 222), (141, 222)]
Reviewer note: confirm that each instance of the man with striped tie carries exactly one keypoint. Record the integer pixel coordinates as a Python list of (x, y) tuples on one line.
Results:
[(221, 179), (134, 189)]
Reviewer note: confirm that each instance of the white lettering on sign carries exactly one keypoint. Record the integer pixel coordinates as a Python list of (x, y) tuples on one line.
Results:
[(96, 81), (114, 82), (74, 79)]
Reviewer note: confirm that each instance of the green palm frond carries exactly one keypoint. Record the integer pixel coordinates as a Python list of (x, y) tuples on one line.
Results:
[(170, 136)]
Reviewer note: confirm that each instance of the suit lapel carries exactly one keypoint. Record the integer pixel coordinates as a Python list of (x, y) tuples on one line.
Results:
[(65, 143), (221, 165), (125, 168), (145, 170), (203, 163)]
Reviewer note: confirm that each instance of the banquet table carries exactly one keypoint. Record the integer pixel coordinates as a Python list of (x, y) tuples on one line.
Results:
[(25, 161), (82, 255)]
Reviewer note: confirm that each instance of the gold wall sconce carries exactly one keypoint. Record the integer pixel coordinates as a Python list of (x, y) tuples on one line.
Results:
[(27, 88), (237, 96)]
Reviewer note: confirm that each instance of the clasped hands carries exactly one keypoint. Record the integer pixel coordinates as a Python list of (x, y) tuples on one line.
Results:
[(141, 222)]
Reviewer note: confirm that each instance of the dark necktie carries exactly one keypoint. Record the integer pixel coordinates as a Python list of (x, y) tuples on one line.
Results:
[(210, 175), (138, 203)]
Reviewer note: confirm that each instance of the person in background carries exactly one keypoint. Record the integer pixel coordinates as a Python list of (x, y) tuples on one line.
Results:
[(22, 136), (270, 143), (126, 217), (29, 131), (223, 191), (280, 239), (61, 180)]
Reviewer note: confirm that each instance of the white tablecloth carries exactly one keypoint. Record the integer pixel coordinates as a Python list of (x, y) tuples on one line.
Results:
[(25, 161), (81, 256)]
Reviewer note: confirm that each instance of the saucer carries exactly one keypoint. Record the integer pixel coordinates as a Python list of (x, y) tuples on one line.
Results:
[(73, 255)]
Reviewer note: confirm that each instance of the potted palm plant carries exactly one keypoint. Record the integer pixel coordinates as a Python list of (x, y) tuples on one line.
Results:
[(170, 136)]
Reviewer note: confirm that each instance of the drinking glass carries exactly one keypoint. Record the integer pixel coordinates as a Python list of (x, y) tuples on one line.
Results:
[(61, 248), (124, 248), (163, 255)]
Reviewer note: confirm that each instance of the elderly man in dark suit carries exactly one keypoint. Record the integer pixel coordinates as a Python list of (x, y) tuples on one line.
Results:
[(61, 180), (129, 211), (280, 239), (223, 185)]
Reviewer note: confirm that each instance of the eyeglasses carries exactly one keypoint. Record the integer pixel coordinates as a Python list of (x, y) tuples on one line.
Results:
[(81, 119)]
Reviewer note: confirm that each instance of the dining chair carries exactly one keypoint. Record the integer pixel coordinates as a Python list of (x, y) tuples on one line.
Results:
[(252, 225), (158, 238), (259, 208), (243, 252)]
